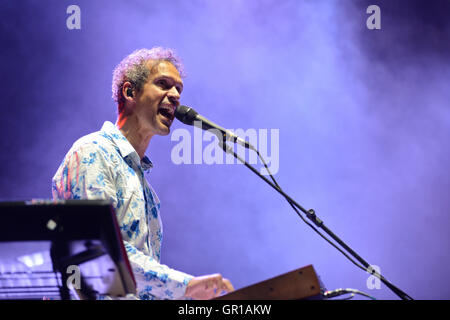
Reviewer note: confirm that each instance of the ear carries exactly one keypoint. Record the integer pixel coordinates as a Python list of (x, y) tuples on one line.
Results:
[(128, 92), (129, 98)]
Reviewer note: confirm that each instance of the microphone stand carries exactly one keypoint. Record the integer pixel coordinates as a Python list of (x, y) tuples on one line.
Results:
[(318, 222)]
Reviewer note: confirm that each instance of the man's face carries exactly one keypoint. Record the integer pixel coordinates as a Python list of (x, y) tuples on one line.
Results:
[(159, 97)]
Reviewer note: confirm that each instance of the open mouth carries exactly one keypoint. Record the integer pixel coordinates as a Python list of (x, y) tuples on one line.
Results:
[(167, 112)]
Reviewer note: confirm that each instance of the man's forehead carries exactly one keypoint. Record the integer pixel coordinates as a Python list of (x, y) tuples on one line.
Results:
[(163, 68)]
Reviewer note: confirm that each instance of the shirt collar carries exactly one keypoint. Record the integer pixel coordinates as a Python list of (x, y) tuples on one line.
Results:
[(125, 147), (146, 163)]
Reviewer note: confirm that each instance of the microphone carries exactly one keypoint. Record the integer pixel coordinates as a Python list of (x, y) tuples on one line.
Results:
[(189, 116)]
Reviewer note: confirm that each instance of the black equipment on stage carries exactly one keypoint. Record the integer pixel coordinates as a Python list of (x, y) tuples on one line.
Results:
[(62, 249)]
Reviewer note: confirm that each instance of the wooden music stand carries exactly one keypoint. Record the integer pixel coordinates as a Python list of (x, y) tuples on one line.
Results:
[(302, 283)]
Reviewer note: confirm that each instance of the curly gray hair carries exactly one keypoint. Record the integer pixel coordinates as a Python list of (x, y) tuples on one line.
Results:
[(133, 69)]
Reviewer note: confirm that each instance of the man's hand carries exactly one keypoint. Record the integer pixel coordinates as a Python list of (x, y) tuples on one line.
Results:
[(208, 287)]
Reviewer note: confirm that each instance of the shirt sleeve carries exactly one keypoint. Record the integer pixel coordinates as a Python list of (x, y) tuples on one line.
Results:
[(86, 174), (156, 281)]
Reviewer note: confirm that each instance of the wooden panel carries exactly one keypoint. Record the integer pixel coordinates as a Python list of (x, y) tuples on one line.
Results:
[(295, 285)]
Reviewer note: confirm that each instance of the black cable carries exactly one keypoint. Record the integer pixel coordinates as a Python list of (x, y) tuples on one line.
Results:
[(305, 221), (311, 215), (339, 292), (366, 269)]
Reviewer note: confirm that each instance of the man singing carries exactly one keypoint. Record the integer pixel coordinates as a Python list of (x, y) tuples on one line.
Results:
[(110, 164)]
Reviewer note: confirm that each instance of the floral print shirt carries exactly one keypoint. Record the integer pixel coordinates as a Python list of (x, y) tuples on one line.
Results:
[(104, 165)]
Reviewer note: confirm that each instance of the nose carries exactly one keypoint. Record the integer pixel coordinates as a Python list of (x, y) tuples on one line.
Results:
[(174, 96)]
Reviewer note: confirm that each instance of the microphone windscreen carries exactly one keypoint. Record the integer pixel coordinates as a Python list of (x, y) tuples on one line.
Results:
[(185, 114)]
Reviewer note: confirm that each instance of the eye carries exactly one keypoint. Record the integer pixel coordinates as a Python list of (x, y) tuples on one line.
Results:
[(167, 84), (162, 83)]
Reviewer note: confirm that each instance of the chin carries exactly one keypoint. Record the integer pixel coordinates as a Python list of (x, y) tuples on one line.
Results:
[(164, 132)]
